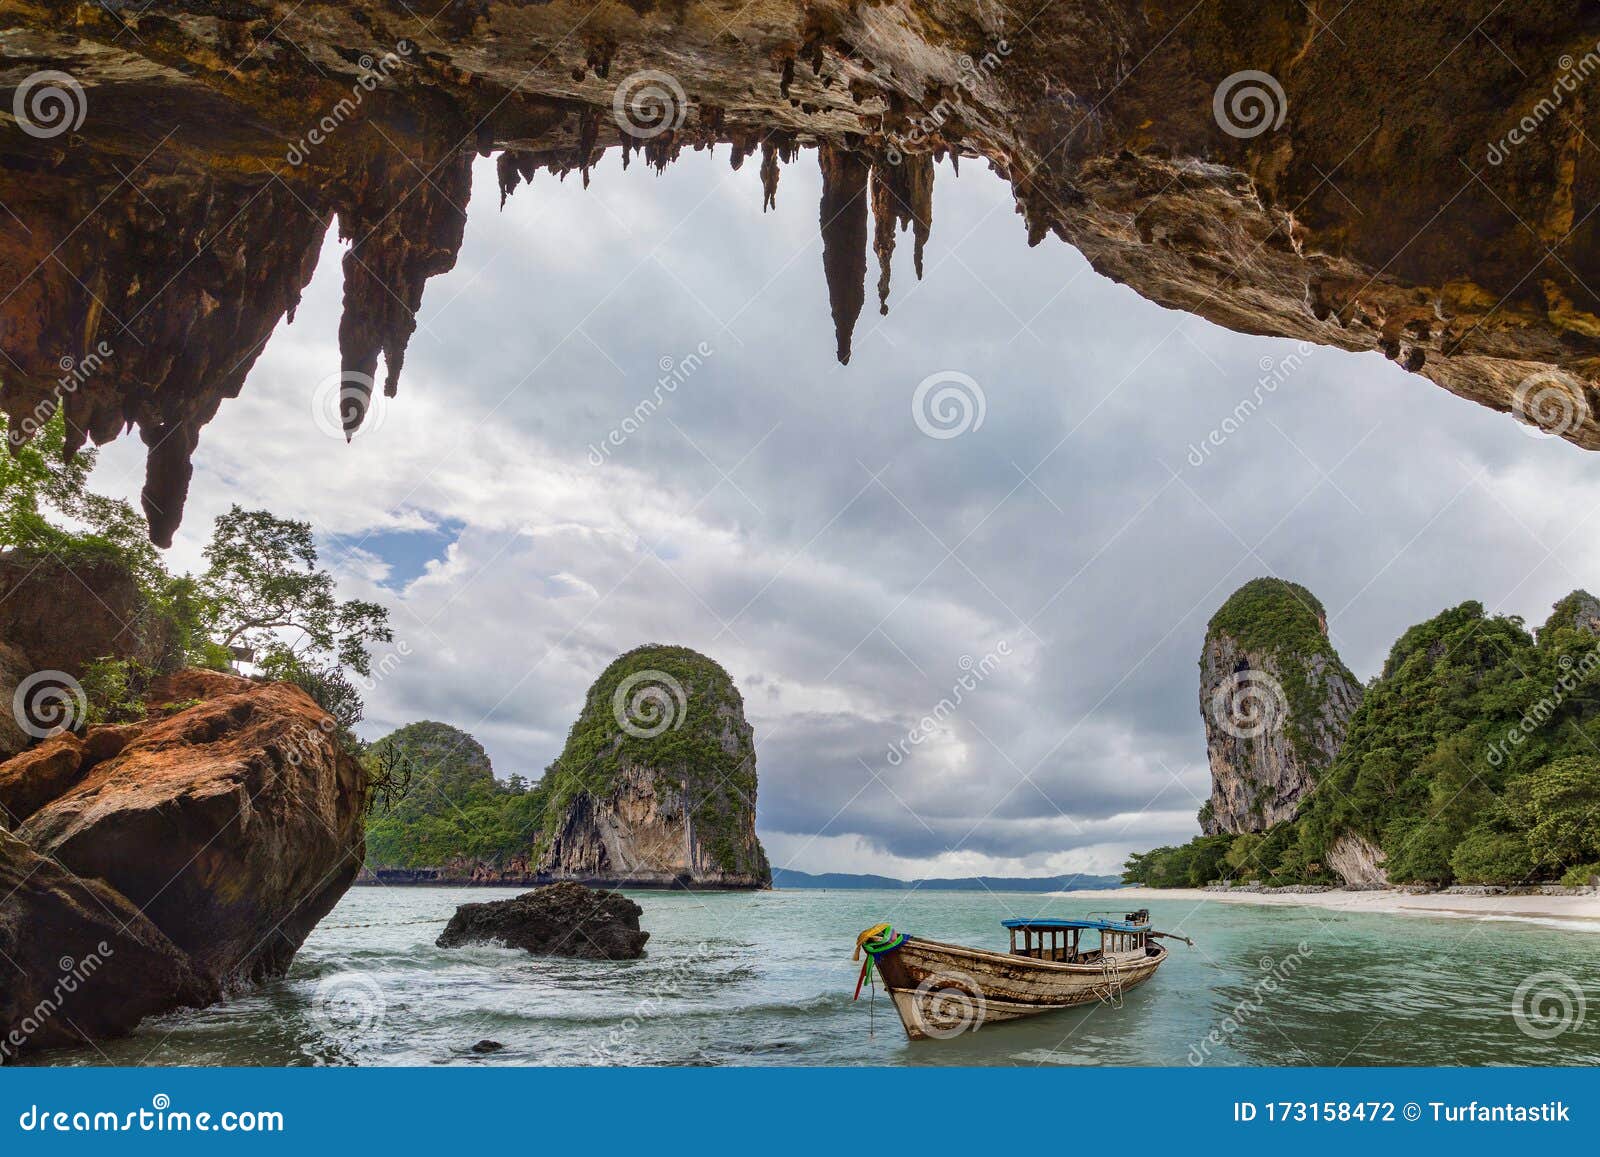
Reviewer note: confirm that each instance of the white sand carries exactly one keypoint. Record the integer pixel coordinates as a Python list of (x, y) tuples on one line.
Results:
[(1437, 904)]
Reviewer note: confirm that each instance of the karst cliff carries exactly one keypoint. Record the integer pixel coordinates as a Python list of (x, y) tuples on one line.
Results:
[(654, 788), (1276, 701)]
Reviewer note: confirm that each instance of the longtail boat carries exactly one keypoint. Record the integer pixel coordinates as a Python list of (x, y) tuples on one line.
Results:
[(942, 990)]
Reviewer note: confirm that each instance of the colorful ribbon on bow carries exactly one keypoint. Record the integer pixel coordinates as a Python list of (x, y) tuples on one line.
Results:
[(879, 940)]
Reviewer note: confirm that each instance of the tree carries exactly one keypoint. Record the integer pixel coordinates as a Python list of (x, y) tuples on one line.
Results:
[(1558, 806), (39, 487), (263, 580)]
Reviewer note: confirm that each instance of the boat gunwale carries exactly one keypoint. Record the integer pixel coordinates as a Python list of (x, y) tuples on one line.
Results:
[(1013, 958)]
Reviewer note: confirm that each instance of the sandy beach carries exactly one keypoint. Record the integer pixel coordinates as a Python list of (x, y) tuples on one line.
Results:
[(1532, 907)]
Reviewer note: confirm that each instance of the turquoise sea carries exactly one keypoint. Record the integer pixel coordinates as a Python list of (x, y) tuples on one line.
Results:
[(766, 979)]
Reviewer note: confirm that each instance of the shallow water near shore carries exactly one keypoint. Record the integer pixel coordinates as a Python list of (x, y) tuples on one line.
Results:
[(766, 979)]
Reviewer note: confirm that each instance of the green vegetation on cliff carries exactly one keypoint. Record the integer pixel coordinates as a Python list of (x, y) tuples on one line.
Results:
[(677, 713), (1281, 619), (453, 807), (1473, 758), (668, 711), (262, 594)]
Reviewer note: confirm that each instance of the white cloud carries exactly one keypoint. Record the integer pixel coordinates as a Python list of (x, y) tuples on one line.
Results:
[(786, 515)]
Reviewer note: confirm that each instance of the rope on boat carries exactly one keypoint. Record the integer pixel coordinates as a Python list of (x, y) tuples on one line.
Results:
[(879, 940), (1111, 972)]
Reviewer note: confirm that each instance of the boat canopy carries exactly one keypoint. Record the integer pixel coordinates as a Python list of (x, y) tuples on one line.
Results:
[(1102, 925)]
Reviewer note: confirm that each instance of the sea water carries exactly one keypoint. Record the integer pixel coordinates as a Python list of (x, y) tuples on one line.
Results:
[(766, 979)]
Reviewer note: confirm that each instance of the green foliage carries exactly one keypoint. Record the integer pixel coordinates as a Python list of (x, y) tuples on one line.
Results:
[(1273, 616), (1489, 856), (329, 687), (690, 753), (1583, 876), (114, 690), (1277, 618), (262, 588), (1472, 758), (438, 800), (263, 579), (1558, 806), (40, 489)]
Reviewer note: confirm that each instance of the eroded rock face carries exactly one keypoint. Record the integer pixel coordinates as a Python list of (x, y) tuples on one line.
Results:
[(563, 919), (1276, 701), (228, 823), (55, 619), (657, 784), (1358, 861), (80, 960), (62, 617), (1579, 611), (1429, 200)]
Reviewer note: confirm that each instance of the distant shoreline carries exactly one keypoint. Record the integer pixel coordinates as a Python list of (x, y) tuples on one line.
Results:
[(1394, 901)]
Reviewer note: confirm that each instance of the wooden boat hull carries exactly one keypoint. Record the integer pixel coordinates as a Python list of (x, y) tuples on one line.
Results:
[(942, 990)]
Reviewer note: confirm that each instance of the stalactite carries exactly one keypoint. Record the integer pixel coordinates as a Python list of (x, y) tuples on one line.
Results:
[(902, 195), (588, 134), (844, 237), (404, 232), (919, 199), (769, 176), (512, 169), (886, 212), (168, 470)]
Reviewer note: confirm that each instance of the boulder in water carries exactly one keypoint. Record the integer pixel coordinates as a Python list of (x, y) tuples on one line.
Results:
[(563, 919), (164, 863)]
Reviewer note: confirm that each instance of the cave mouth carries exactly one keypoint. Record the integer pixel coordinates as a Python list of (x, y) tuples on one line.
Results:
[(173, 167)]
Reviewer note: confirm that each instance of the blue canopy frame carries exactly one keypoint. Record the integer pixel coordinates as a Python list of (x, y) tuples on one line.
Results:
[(1101, 925)]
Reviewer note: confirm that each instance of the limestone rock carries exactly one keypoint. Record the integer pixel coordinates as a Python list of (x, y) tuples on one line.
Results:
[(201, 846), (562, 919), (1579, 611), (657, 783), (14, 668), (1358, 861), (1267, 176), (81, 962), (1276, 701), (235, 824), (62, 617)]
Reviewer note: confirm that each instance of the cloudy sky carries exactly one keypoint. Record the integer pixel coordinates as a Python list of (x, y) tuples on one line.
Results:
[(793, 518)]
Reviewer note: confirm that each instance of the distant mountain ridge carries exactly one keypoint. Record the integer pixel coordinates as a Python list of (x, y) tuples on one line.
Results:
[(789, 878)]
